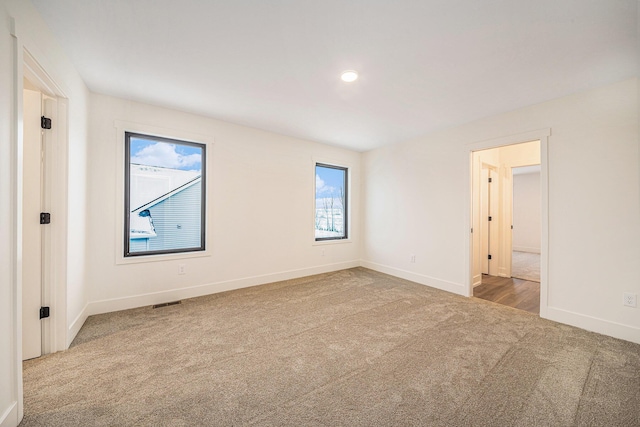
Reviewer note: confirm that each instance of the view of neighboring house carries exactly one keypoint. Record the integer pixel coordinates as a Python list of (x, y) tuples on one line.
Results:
[(158, 220)]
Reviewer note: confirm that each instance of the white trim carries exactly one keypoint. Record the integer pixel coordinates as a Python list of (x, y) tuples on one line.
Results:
[(503, 272), (162, 132), (50, 145), (544, 224), (543, 136), (10, 417), (77, 324), (38, 76), (594, 324), (329, 242), (171, 133), (59, 234), (27, 60), (16, 220), (165, 257), (477, 280), (613, 329), (56, 201), (142, 300), (526, 249), (456, 288), (502, 141)]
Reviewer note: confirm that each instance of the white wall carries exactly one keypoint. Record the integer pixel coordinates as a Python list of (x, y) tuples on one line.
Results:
[(32, 34), (416, 199), (260, 209), (526, 212), (9, 377)]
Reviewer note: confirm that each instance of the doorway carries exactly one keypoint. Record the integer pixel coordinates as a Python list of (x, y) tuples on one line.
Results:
[(525, 253), (42, 189), (499, 213)]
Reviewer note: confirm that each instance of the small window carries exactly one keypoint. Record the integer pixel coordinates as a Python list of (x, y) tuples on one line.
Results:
[(331, 220), (164, 195)]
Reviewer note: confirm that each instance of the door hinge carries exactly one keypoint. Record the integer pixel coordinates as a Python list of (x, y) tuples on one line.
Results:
[(45, 122), (489, 257), (45, 218), (489, 218), (472, 230), (490, 180), (512, 227), (44, 312)]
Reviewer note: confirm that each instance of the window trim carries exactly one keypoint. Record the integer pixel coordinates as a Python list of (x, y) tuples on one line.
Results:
[(347, 195), (127, 254)]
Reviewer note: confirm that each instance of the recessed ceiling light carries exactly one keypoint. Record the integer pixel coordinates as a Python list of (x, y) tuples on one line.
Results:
[(349, 76)]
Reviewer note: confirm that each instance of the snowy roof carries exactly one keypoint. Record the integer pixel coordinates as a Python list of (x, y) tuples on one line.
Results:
[(150, 185), (141, 227)]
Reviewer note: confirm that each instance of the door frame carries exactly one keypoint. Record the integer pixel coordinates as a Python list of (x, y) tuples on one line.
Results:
[(543, 136), (26, 65), (54, 201)]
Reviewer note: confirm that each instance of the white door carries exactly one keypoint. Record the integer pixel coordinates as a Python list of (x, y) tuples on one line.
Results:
[(31, 228), (489, 226), (484, 213)]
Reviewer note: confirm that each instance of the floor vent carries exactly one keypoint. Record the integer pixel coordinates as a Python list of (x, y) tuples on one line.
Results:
[(166, 304)]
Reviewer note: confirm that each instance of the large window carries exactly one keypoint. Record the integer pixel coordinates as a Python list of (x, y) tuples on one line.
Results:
[(164, 195), (331, 202)]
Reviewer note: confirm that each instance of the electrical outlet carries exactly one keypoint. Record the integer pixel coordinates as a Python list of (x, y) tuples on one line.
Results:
[(182, 269), (413, 258), (629, 299)]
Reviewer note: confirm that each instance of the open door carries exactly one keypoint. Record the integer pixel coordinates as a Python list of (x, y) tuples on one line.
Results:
[(31, 228), (488, 219), (36, 233)]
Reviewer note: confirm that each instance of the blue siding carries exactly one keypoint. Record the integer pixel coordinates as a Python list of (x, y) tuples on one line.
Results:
[(137, 245), (177, 221)]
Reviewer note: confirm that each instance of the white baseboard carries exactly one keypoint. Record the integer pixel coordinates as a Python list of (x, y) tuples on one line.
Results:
[(526, 249), (76, 325), (135, 301), (602, 326), (9, 417), (477, 280), (594, 324), (444, 285)]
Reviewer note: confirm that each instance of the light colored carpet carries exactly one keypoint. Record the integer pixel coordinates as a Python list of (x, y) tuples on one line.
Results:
[(350, 348), (526, 266)]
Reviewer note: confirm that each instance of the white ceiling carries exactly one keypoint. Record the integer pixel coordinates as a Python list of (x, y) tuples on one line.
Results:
[(275, 64)]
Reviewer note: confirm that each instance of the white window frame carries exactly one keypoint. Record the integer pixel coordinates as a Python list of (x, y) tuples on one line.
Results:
[(121, 128)]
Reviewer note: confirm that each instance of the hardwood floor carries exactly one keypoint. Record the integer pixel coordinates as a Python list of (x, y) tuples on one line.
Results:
[(516, 293)]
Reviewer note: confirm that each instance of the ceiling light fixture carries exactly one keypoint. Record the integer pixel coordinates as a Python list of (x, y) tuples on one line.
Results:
[(349, 76)]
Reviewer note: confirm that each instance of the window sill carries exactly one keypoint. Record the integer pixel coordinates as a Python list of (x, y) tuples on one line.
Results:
[(331, 242), (161, 257)]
